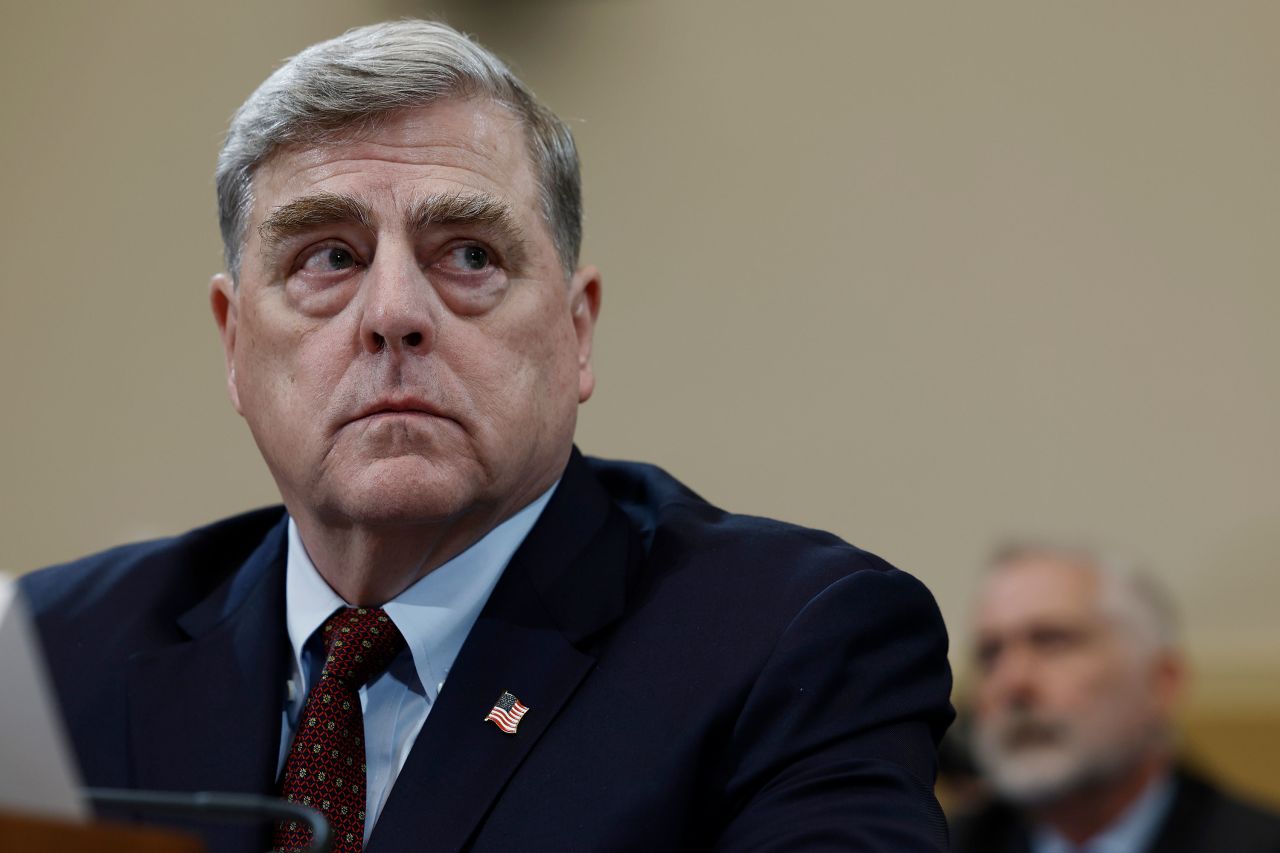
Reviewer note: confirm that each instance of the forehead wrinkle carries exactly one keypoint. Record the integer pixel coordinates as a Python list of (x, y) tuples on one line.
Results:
[(310, 211)]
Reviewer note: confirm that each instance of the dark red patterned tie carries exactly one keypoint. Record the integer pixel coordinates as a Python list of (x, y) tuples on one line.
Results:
[(326, 766)]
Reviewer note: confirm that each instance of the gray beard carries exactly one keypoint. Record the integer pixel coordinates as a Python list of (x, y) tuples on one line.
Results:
[(1034, 762)]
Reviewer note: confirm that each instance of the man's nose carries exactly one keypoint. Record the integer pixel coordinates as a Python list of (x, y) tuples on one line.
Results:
[(1013, 678), (399, 309)]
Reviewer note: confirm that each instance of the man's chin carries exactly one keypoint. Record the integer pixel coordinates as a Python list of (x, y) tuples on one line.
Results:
[(1032, 777), (406, 491)]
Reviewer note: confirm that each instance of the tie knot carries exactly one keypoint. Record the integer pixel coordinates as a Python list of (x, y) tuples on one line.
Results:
[(360, 642)]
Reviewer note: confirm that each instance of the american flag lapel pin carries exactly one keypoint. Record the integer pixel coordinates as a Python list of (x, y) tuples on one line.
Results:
[(506, 713)]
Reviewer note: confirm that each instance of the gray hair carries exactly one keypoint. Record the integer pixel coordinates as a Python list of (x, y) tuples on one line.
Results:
[(350, 83), (1129, 593)]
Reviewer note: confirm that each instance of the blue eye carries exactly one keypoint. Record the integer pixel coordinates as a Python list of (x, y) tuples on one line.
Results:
[(330, 259), (340, 259), (470, 258)]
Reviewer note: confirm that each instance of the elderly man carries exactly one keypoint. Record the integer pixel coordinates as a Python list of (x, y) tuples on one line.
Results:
[(458, 633), (1078, 672)]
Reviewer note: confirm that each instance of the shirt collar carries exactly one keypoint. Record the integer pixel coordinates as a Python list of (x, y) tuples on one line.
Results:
[(1134, 830), (435, 614)]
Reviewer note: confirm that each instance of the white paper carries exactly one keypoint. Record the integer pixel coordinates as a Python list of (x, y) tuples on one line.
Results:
[(38, 776)]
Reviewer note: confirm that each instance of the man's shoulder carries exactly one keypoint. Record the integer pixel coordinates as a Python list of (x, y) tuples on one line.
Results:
[(671, 517), (689, 544), (179, 570), (1205, 811), (1203, 816), (797, 655)]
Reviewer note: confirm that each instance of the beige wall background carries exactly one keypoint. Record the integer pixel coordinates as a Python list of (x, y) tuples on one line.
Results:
[(924, 274)]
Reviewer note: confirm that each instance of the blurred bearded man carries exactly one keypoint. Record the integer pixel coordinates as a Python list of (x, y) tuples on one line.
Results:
[(458, 633), (1078, 675)]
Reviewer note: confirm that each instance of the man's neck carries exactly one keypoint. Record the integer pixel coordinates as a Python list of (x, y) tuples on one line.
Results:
[(1084, 814), (369, 565)]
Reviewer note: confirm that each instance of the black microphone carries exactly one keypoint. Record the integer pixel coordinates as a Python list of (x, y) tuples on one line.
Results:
[(215, 804)]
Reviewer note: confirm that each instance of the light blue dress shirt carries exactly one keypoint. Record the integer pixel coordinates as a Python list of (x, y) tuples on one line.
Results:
[(434, 615), (1134, 832)]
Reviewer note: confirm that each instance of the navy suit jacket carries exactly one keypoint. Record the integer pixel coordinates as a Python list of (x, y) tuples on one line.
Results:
[(1202, 819), (696, 680)]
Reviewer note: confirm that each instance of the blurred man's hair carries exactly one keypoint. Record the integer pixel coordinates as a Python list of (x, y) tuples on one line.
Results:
[(1129, 593)]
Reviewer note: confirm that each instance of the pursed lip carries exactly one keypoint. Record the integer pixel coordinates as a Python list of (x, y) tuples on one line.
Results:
[(396, 406)]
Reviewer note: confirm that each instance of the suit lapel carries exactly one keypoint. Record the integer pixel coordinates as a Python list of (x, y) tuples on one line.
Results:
[(460, 762), (205, 714), (565, 583)]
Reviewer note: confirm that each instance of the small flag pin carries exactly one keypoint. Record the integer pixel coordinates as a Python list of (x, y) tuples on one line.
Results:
[(506, 713)]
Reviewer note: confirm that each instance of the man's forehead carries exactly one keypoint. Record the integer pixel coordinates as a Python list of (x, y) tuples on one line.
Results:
[(460, 146), (1037, 589)]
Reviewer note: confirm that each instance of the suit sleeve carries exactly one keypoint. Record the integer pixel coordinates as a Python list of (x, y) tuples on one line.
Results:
[(836, 744)]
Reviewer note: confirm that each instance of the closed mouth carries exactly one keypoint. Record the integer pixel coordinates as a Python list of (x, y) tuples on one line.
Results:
[(397, 408)]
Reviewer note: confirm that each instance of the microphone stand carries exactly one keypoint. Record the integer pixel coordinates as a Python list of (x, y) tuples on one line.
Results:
[(214, 804)]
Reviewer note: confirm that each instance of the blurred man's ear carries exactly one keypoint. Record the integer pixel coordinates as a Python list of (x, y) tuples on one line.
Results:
[(1169, 677), (584, 308), (223, 299)]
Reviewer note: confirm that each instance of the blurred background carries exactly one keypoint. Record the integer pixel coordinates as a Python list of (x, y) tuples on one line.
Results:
[(922, 274)]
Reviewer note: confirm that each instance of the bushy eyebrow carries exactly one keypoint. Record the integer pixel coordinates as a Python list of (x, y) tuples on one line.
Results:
[(458, 209), (472, 209), (311, 211)]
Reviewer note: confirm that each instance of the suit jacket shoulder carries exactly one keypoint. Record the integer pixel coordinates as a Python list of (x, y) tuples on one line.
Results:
[(1206, 817), (763, 567), (162, 577), (1202, 819), (101, 618), (812, 660), (129, 599)]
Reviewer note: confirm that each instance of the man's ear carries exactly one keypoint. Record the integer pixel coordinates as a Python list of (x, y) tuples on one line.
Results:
[(224, 299), (1170, 680), (584, 308)]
